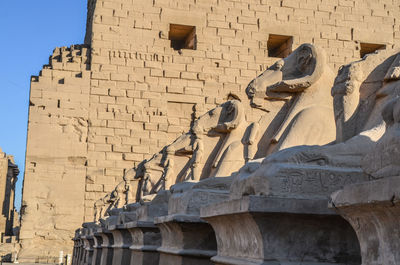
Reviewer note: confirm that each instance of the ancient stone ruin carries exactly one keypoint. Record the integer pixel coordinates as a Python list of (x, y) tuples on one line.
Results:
[(287, 207), (9, 219), (217, 132)]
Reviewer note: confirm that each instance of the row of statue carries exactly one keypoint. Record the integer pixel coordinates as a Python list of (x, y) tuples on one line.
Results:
[(302, 143)]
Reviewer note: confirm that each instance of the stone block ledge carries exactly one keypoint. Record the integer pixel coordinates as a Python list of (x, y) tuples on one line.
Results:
[(188, 252), (237, 261), (144, 248), (138, 224), (261, 204), (370, 193), (179, 218)]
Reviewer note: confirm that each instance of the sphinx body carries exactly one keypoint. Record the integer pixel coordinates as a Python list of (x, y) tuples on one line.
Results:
[(382, 161), (303, 79), (361, 91), (372, 208), (215, 146), (124, 193)]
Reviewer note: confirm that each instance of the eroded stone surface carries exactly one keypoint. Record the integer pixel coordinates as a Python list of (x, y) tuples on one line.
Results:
[(310, 171), (259, 230), (9, 219), (373, 210)]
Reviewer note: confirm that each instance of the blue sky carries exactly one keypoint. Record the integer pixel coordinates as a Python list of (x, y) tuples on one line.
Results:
[(29, 31)]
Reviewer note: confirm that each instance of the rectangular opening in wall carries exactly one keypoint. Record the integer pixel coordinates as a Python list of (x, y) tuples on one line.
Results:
[(182, 36), (366, 48), (279, 45)]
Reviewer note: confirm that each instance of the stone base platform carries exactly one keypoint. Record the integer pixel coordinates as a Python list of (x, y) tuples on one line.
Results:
[(373, 209), (270, 230), (186, 239)]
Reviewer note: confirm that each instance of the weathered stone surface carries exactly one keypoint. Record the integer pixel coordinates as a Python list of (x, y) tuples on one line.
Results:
[(278, 230), (145, 236), (310, 171), (107, 251), (97, 252), (9, 222), (373, 210), (303, 79), (54, 182), (186, 238)]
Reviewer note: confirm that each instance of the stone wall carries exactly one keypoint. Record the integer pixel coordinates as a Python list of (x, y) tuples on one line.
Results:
[(3, 181), (93, 117), (138, 79), (53, 193), (9, 223)]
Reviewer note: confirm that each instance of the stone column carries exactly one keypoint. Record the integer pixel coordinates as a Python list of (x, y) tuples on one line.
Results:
[(268, 230), (373, 210)]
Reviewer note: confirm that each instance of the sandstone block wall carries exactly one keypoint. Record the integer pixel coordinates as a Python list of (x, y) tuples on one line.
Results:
[(100, 109), (139, 82), (8, 178), (53, 193), (3, 181), (9, 223)]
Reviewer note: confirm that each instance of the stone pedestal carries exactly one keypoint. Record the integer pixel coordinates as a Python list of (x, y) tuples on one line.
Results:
[(97, 249), (130, 236), (186, 240), (83, 247), (88, 242), (267, 230), (122, 242), (106, 246), (146, 238), (373, 209), (78, 248)]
